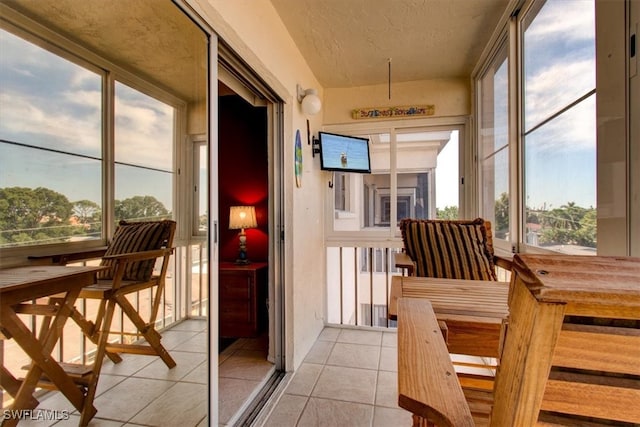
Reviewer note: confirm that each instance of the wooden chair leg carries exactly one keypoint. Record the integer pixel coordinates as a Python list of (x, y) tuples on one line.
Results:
[(91, 331), (11, 385), (148, 330), (102, 338)]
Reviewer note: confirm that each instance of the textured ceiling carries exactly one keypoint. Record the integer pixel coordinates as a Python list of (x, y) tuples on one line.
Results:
[(348, 42), (345, 42), (151, 38)]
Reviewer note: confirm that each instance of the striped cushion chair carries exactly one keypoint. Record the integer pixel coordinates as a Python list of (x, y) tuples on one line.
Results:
[(451, 249), (135, 251)]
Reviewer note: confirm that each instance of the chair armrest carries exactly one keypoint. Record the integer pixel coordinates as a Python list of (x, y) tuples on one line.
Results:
[(503, 261), (139, 256), (427, 382), (402, 260)]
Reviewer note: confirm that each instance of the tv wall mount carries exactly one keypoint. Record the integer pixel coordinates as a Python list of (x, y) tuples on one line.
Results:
[(313, 142)]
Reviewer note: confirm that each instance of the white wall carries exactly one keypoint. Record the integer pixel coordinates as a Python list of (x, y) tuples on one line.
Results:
[(451, 97)]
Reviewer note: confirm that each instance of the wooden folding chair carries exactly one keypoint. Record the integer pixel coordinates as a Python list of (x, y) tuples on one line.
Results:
[(131, 258)]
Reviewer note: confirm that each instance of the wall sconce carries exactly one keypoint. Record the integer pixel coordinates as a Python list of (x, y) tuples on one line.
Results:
[(241, 217), (309, 99)]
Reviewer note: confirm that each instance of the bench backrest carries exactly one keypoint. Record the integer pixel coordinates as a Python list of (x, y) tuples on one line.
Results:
[(451, 249)]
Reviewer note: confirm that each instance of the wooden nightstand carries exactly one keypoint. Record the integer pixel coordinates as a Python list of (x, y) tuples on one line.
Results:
[(243, 299)]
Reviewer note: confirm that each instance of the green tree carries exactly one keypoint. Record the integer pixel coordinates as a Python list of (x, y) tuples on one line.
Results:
[(85, 211), (140, 208), (28, 214), (501, 212), (569, 225), (89, 216), (586, 235), (449, 212)]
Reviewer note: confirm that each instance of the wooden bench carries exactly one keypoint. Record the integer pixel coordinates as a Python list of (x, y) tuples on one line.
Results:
[(473, 310), (423, 358), (571, 354)]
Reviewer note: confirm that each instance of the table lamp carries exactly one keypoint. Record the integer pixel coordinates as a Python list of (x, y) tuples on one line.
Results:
[(241, 217)]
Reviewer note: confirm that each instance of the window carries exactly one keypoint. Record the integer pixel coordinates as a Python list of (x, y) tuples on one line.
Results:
[(201, 178), (559, 126), (423, 183), (144, 138), (494, 144), (50, 147), (378, 260), (57, 164), (549, 202)]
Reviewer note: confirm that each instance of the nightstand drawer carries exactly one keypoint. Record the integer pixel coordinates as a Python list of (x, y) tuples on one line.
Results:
[(242, 299), (235, 288), (236, 312)]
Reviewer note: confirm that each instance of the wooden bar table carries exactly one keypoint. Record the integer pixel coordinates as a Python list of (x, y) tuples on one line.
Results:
[(473, 310), (19, 288)]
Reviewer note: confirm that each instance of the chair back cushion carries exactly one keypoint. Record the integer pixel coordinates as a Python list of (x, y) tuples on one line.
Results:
[(133, 237), (451, 249)]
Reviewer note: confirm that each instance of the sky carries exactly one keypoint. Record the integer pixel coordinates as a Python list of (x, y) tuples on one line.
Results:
[(47, 101), (559, 68)]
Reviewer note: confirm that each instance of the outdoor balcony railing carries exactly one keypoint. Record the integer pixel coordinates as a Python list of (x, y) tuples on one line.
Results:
[(359, 284)]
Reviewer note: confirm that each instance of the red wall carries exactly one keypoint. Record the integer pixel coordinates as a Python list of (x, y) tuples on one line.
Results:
[(243, 174)]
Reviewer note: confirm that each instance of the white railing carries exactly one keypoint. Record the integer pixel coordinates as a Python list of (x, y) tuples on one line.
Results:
[(359, 285)]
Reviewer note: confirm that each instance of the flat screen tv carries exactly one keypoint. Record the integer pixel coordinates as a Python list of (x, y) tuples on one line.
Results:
[(344, 153)]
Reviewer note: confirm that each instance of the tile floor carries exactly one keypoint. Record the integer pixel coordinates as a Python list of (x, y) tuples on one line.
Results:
[(141, 391), (349, 378)]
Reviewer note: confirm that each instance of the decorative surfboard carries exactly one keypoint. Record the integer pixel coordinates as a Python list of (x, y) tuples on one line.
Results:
[(298, 164)]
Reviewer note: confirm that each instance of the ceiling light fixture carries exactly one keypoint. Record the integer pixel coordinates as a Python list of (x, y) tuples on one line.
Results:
[(309, 100)]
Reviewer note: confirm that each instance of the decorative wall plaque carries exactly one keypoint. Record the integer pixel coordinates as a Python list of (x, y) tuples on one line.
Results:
[(387, 112)]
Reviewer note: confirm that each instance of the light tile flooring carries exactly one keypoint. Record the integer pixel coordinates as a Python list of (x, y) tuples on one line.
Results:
[(142, 391), (349, 378)]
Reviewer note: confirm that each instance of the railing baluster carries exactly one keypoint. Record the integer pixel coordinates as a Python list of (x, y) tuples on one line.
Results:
[(371, 268), (355, 275), (386, 285), (341, 290)]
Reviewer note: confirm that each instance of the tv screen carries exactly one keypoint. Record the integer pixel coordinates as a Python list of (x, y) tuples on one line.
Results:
[(344, 153)]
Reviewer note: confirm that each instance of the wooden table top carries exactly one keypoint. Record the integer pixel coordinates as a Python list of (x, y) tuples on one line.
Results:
[(463, 299), (38, 281)]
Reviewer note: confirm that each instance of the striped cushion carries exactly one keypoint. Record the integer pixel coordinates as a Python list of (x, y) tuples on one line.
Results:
[(452, 249), (137, 237)]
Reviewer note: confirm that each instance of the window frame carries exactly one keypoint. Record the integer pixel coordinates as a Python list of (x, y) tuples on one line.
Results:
[(391, 237), (34, 33), (512, 33)]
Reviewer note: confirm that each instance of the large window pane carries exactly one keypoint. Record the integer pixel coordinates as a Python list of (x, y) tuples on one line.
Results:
[(559, 57), (560, 130), (50, 147), (560, 181), (448, 177), (425, 186), (494, 144), (144, 132)]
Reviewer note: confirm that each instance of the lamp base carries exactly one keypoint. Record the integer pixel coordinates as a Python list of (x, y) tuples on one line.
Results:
[(242, 261)]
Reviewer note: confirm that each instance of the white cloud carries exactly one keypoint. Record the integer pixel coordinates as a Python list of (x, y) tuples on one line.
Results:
[(567, 19), (38, 115), (146, 133), (555, 87)]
